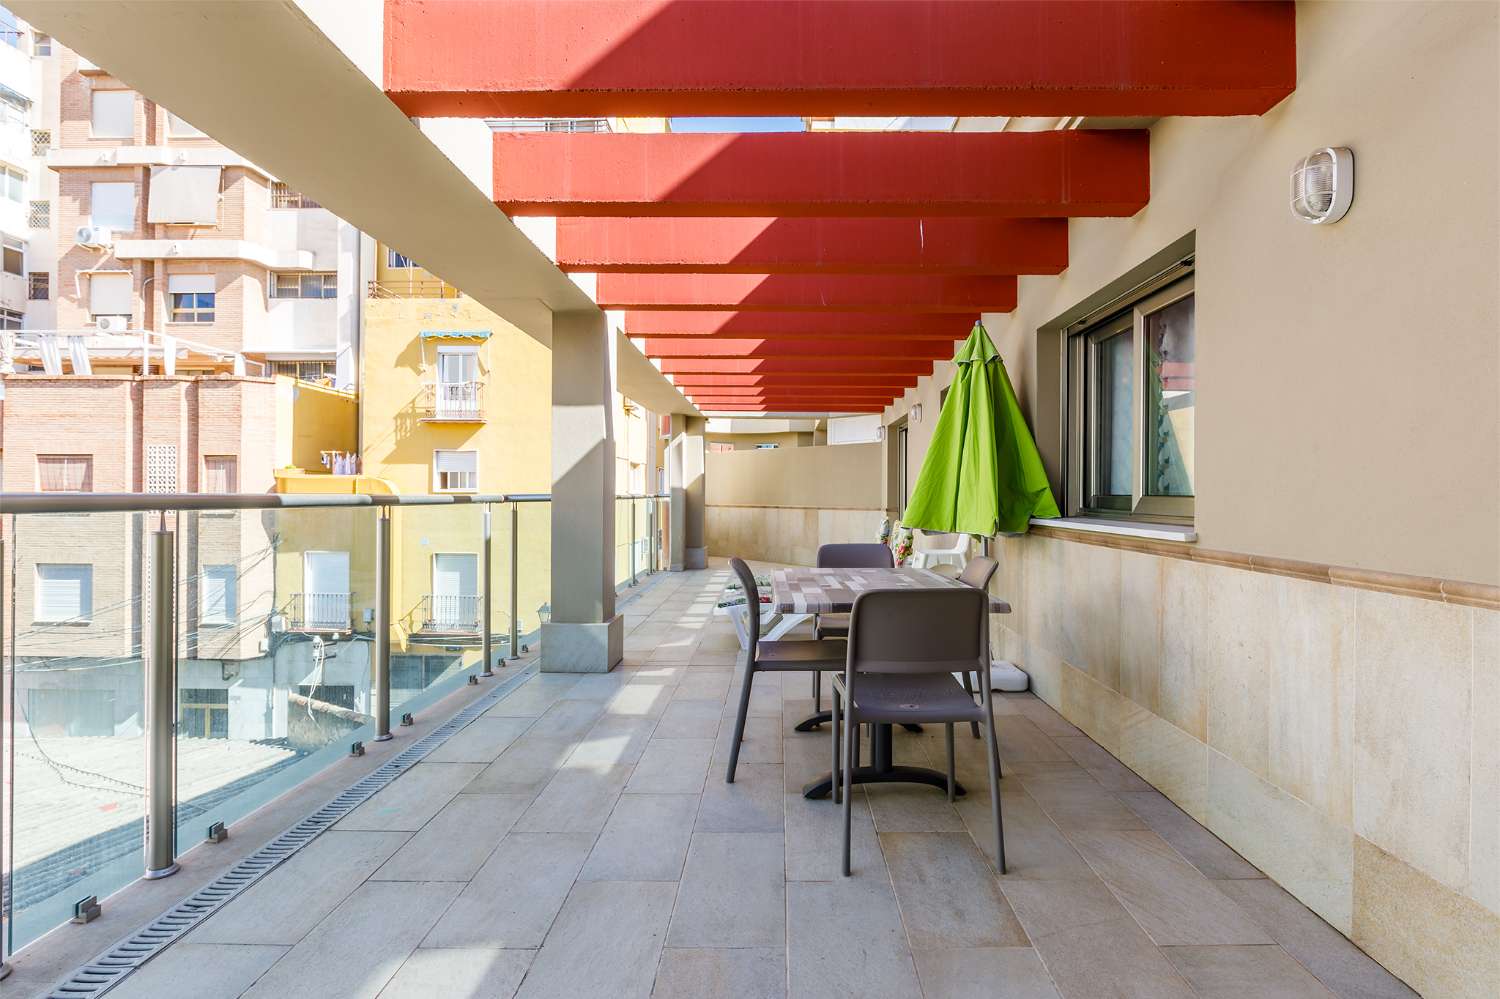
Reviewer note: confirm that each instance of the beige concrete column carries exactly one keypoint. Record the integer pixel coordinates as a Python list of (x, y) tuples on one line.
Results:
[(694, 545), (687, 486), (585, 635)]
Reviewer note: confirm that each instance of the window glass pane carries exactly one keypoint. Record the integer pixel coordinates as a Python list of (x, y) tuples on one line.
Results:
[(1170, 400), (14, 263), (1113, 422), (65, 473), (217, 600), (220, 473)]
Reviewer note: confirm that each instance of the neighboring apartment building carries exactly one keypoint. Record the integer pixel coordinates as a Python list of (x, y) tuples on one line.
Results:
[(160, 298)]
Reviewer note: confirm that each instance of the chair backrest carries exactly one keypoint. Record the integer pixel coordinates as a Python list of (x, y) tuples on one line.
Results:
[(752, 600), (855, 556), (920, 631), (979, 572)]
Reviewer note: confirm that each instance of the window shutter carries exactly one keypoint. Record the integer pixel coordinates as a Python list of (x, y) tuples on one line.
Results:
[(112, 114), (110, 294), (185, 195), (112, 204), (64, 592), (190, 284)]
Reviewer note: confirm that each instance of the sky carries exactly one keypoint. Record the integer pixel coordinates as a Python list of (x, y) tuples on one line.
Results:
[(737, 125)]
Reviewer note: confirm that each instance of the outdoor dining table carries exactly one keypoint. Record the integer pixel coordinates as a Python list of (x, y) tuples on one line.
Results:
[(832, 591)]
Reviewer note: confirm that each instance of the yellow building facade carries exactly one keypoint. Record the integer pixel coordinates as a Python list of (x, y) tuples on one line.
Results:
[(454, 401)]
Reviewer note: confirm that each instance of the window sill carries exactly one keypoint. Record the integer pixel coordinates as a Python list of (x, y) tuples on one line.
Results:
[(1123, 528)]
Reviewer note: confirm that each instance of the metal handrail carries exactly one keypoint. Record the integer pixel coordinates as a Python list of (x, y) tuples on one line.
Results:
[(154, 502), (464, 616)]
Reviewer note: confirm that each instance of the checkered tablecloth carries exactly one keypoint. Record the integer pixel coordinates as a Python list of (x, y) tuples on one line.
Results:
[(832, 591)]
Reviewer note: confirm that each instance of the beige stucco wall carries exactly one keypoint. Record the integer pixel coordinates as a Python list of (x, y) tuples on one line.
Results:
[(826, 478), (1348, 375), (1342, 738), (779, 505)]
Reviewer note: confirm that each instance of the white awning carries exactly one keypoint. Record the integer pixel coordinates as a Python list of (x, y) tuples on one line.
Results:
[(184, 195)]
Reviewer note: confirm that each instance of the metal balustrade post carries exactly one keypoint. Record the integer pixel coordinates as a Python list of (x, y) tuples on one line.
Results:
[(633, 544), (382, 626), (5, 750), (161, 710), (486, 646), (651, 535), (515, 575)]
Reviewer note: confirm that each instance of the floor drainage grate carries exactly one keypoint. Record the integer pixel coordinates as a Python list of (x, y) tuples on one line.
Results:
[(115, 964)]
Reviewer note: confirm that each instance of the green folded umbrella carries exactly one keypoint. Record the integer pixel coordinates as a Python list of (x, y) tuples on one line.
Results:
[(982, 473)]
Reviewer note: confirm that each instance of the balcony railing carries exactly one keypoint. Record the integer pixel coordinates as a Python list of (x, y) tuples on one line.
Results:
[(459, 402), (413, 288), (318, 612), (451, 613), (107, 712)]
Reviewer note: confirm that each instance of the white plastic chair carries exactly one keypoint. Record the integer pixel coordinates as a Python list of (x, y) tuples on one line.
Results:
[(941, 549)]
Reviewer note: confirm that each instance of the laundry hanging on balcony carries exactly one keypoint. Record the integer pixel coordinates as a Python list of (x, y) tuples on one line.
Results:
[(982, 473)]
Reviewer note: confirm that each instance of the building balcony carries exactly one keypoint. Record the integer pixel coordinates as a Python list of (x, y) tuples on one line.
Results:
[(396, 287), (452, 402), (450, 614), (318, 613)]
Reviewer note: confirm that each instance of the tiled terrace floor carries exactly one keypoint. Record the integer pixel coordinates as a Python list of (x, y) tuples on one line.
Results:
[(579, 841)]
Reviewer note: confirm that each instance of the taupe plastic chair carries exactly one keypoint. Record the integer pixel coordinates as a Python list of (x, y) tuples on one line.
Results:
[(873, 555), (824, 655), (904, 647), (978, 573)]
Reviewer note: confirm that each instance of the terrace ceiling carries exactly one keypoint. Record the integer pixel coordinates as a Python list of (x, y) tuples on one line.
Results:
[(823, 271)]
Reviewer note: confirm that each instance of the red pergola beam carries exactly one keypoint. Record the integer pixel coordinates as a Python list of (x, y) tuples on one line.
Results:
[(812, 245), (767, 325), (543, 58), (781, 379), (848, 174), (819, 407), (795, 365), (929, 350), (906, 293), (795, 392), (826, 400)]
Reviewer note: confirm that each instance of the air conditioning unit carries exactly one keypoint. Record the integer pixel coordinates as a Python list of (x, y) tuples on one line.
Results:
[(112, 324), (96, 236)]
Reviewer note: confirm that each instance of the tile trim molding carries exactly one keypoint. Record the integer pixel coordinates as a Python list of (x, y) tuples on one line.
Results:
[(1452, 591), (777, 506)]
